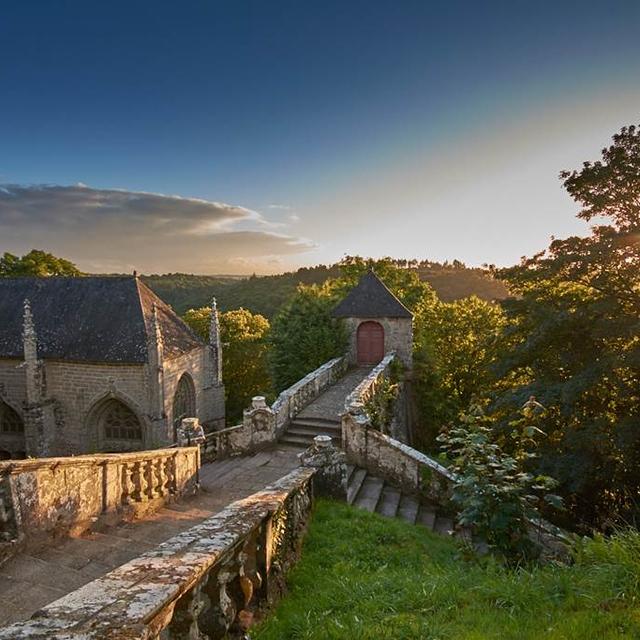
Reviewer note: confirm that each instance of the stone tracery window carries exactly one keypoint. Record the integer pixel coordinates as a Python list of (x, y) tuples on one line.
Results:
[(10, 421), (119, 422), (184, 400)]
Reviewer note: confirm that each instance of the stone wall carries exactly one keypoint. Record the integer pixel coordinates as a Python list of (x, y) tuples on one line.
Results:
[(398, 337), (48, 497), (202, 583), (78, 387), (13, 393), (74, 390), (209, 393), (263, 425), (383, 455)]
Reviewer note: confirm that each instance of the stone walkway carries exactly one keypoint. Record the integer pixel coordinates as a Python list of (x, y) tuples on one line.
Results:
[(32, 580), (330, 405)]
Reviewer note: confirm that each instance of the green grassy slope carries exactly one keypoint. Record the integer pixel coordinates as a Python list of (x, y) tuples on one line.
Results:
[(365, 577)]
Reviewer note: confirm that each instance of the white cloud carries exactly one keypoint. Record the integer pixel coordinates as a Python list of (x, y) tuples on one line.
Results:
[(112, 229)]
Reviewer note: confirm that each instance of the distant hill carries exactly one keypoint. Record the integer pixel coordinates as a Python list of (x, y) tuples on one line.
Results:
[(266, 294)]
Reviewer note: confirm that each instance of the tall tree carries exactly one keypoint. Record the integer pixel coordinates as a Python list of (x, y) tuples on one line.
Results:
[(304, 335), (36, 263), (577, 317), (457, 347), (244, 354)]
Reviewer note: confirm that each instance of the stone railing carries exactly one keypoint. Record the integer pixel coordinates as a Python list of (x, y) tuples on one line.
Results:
[(202, 583), (55, 496), (217, 444), (383, 455), (263, 425)]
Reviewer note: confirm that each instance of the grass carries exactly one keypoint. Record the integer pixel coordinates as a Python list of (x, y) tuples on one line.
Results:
[(364, 577)]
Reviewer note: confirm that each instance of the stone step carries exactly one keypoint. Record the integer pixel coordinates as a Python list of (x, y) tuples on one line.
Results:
[(313, 432), (295, 441), (370, 493), (426, 516), (408, 509), (389, 502), (301, 432), (355, 482), (443, 525), (317, 423)]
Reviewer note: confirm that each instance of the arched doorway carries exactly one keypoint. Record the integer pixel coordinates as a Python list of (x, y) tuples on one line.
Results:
[(184, 401), (11, 433), (370, 343), (118, 426)]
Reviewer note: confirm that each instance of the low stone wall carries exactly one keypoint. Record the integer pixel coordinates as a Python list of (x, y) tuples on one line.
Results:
[(263, 425), (201, 583), (403, 466), (45, 497), (383, 455)]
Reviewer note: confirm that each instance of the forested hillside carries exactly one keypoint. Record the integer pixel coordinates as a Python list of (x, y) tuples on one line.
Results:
[(266, 294)]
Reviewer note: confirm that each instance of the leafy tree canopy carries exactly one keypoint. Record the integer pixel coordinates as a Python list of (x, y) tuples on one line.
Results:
[(244, 354), (36, 263), (575, 327)]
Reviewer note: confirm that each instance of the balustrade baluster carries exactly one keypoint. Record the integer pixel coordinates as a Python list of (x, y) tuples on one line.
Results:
[(140, 483), (159, 479)]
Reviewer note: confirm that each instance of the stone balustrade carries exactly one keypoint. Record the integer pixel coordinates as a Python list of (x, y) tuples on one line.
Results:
[(45, 497), (203, 583), (382, 455), (263, 424)]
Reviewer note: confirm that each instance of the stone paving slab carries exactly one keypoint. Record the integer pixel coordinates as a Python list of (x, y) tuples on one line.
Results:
[(330, 405), (29, 581)]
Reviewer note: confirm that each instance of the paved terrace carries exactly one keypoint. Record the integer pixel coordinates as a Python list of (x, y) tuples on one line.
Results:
[(32, 580)]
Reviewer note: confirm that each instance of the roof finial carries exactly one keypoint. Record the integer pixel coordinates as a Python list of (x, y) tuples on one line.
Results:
[(135, 273)]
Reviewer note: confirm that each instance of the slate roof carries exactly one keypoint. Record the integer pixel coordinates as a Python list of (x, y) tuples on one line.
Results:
[(370, 298), (89, 319)]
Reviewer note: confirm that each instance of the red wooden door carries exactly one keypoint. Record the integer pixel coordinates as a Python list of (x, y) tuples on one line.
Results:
[(370, 343)]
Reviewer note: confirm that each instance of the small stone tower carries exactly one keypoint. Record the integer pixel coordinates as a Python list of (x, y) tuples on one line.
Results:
[(377, 322)]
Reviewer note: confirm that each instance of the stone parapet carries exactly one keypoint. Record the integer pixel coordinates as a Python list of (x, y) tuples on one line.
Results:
[(204, 582), (47, 497), (263, 425)]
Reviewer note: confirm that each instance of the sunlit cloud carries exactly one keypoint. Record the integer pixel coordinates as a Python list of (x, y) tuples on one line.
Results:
[(116, 229)]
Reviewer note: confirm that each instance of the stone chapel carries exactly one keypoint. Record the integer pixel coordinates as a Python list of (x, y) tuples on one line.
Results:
[(99, 364), (377, 323)]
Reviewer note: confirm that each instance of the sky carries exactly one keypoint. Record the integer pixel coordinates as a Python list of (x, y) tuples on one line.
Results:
[(239, 137)]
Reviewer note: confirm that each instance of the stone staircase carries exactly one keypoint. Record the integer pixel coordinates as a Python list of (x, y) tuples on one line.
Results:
[(373, 493), (322, 415), (302, 431)]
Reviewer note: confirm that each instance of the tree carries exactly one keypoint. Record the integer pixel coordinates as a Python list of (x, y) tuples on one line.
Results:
[(457, 347), (36, 263), (244, 354), (577, 341), (304, 335)]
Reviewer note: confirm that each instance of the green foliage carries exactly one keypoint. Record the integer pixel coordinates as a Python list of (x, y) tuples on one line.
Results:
[(379, 407), (575, 335), (267, 294), (456, 348), (493, 493), (36, 263), (374, 578), (244, 354), (304, 336)]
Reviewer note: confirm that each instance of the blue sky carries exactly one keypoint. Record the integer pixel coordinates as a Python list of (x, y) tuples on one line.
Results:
[(290, 133)]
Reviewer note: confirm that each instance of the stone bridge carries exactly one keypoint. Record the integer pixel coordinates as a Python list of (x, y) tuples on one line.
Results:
[(87, 567)]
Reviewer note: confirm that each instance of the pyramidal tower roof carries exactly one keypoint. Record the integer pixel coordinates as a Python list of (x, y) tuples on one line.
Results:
[(371, 298)]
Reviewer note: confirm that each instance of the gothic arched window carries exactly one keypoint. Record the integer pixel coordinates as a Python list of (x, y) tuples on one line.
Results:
[(184, 400), (10, 421), (118, 422)]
